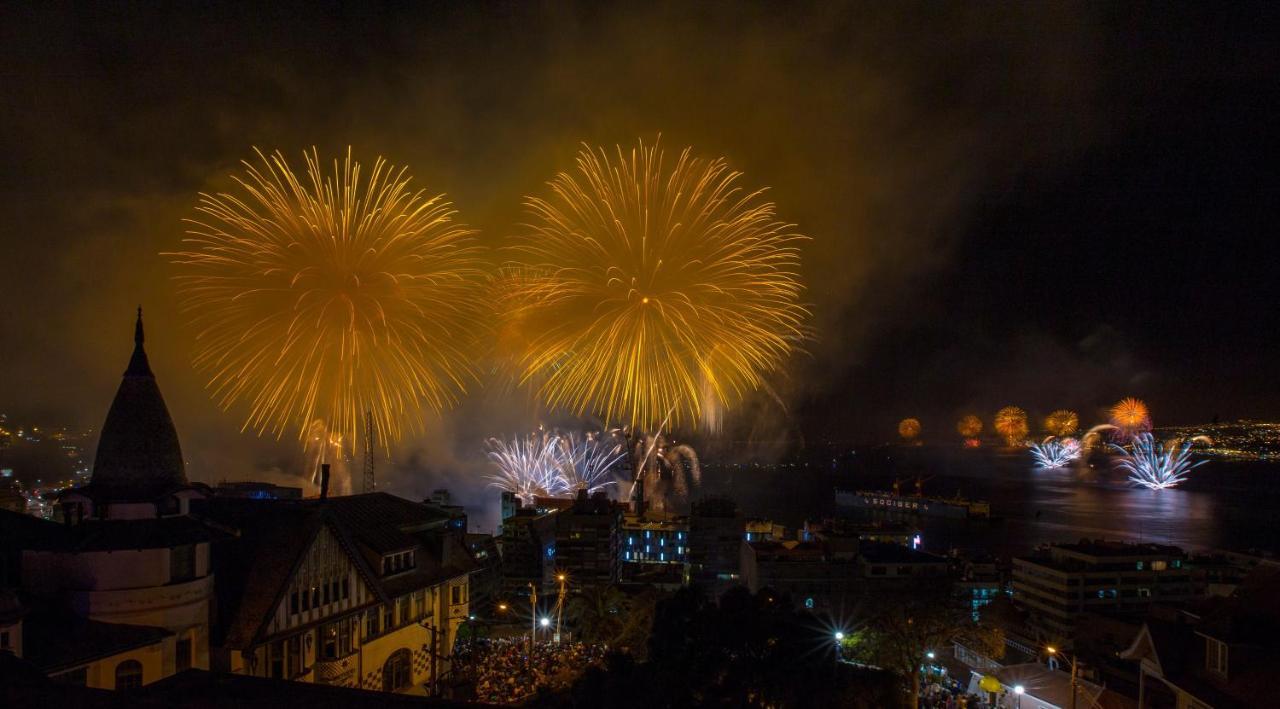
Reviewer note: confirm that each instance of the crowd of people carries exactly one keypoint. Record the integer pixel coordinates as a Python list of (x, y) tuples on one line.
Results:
[(506, 672)]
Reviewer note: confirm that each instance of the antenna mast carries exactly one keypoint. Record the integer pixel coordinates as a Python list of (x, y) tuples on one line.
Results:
[(369, 483)]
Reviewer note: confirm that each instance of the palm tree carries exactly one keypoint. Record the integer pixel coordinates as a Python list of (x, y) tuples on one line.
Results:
[(597, 613)]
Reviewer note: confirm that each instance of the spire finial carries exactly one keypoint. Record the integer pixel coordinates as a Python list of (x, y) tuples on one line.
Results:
[(138, 366)]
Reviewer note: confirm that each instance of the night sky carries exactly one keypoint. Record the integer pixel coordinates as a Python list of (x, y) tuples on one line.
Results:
[(1049, 205)]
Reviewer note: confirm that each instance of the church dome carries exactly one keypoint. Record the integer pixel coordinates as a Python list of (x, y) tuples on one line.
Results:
[(138, 452)]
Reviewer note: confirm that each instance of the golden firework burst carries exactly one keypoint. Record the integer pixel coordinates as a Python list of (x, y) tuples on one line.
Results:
[(654, 292), (1062, 423), (909, 429), (969, 426), (1011, 423), (321, 296)]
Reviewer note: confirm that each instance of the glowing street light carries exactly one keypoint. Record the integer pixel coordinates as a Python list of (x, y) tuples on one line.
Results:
[(544, 621), (1018, 690), (930, 655), (839, 636)]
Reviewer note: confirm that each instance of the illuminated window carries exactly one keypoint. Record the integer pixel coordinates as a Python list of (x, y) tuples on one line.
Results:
[(1139, 566), (1159, 566)]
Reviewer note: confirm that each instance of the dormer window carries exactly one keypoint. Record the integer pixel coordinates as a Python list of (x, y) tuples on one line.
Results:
[(1215, 657), (398, 562)]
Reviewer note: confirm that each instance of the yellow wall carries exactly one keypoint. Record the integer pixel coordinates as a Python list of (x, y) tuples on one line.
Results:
[(101, 674)]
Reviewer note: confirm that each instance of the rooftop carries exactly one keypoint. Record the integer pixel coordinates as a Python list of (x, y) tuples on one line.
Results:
[(1111, 548), (138, 456), (62, 641)]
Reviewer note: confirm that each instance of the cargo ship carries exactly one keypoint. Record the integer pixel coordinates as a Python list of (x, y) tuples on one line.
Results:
[(918, 504)]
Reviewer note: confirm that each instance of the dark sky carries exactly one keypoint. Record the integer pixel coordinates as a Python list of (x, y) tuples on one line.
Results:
[(1048, 204)]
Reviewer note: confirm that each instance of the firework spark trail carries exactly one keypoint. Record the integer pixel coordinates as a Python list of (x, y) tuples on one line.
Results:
[(1156, 467), (553, 464), (1053, 453), (654, 288), (587, 462), (324, 295), (527, 466), (909, 429), (323, 446)]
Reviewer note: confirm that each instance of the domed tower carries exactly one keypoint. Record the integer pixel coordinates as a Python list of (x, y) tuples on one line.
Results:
[(129, 553), (138, 471)]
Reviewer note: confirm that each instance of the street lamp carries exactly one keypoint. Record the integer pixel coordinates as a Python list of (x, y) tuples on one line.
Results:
[(1018, 690), (839, 636), (544, 621), (930, 655), (1075, 672)]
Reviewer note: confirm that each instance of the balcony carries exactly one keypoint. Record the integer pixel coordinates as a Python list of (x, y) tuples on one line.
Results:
[(339, 671)]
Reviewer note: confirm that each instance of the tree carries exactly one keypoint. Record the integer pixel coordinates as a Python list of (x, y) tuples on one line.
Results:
[(597, 613), (901, 629)]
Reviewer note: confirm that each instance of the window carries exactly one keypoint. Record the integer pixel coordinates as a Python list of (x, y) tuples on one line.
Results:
[(388, 617), (1159, 566), (455, 595), (285, 657), (129, 675), (395, 672), (183, 650), (306, 600), (419, 603), (1215, 656), (293, 603), (1139, 566), (315, 597), (324, 594), (182, 563), (346, 589), (4, 640), (371, 623), (1144, 593), (335, 639), (405, 611)]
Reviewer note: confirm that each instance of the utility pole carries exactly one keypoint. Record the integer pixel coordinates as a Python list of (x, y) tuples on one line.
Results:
[(533, 617), (1074, 690), (369, 483), (561, 577)]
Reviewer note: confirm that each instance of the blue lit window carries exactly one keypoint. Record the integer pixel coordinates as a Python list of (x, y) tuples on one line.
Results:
[(679, 535), (1177, 563), (631, 541), (551, 551), (1102, 593), (662, 557), (808, 602), (748, 536), (1140, 566), (647, 549), (646, 534)]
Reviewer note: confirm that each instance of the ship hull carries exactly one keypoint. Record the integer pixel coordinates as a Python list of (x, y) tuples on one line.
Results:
[(902, 504)]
